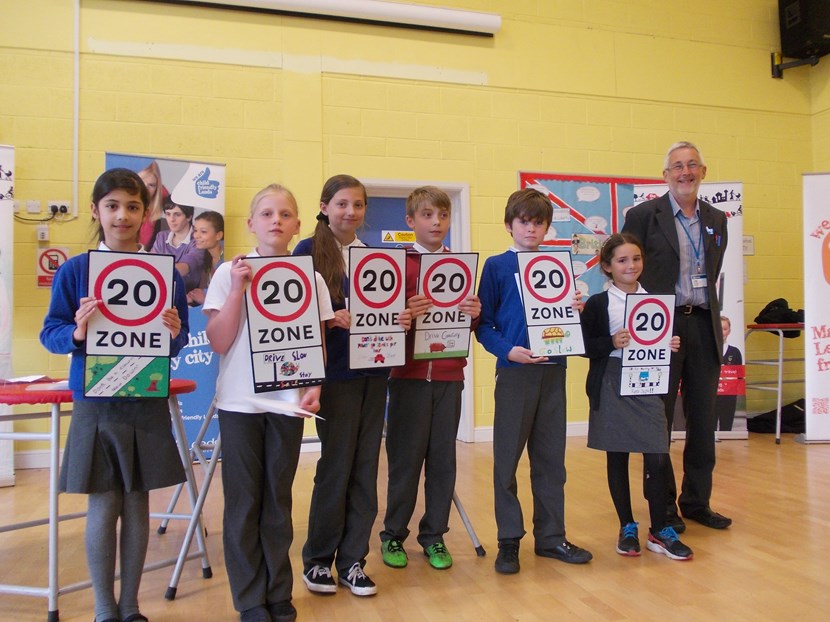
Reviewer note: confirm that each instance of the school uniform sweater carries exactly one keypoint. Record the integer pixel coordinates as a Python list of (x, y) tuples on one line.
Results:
[(449, 369), (502, 323), (69, 286)]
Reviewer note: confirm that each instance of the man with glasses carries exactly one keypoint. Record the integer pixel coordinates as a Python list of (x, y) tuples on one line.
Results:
[(684, 240)]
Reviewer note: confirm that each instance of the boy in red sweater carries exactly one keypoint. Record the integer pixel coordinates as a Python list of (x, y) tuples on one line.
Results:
[(424, 406)]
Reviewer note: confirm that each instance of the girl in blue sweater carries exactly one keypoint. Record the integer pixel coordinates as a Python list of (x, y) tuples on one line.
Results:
[(117, 449)]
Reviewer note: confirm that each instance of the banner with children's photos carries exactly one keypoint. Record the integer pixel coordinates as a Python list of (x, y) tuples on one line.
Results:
[(377, 297), (447, 279), (200, 185), (284, 323), (646, 361), (548, 289), (127, 344)]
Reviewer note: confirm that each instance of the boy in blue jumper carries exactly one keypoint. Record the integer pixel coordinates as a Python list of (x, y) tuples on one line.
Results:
[(530, 397)]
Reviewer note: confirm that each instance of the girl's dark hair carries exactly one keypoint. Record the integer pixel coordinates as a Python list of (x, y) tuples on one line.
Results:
[(606, 253), (328, 258), (117, 179), (216, 220)]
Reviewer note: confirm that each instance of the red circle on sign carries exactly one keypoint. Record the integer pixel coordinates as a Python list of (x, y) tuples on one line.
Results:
[(135, 263), (398, 281), (648, 342), (468, 282), (566, 279), (258, 303), (45, 255)]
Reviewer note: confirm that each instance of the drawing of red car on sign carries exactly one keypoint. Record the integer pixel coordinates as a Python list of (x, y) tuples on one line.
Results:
[(379, 358), (437, 347)]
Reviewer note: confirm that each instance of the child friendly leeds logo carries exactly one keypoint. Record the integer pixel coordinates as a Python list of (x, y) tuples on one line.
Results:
[(204, 186)]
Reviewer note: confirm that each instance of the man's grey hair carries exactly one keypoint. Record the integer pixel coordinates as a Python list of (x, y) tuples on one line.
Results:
[(682, 145)]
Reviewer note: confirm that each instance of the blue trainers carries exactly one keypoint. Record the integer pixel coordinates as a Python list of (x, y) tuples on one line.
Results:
[(628, 543), (667, 543)]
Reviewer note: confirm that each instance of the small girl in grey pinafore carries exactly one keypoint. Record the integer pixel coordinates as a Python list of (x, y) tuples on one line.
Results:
[(620, 424)]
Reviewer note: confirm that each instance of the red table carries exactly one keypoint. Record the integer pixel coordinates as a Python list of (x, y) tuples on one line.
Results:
[(21, 393)]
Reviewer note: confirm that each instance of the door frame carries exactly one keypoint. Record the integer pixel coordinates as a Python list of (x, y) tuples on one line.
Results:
[(459, 194)]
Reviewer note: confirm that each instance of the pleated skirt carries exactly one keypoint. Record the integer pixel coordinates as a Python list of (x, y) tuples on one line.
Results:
[(631, 423), (125, 445)]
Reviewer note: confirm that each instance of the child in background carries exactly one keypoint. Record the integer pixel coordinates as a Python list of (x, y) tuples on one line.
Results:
[(632, 423), (117, 449), (209, 235), (424, 406), (151, 176), (260, 450), (179, 242), (530, 404), (344, 502)]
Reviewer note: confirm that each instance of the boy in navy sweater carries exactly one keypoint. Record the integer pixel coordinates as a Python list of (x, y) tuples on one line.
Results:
[(424, 406), (529, 397)]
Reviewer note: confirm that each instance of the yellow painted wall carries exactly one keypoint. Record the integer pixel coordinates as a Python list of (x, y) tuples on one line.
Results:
[(600, 86)]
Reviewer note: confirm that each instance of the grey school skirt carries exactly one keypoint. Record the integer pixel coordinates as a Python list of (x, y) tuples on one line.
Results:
[(126, 445), (634, 423)]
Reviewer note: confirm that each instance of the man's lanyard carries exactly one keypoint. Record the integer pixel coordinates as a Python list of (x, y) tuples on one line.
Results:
[(697, 248)]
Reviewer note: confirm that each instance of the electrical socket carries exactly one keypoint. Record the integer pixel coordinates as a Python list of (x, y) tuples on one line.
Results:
[(43, 233), (59, 206), (33, 207)]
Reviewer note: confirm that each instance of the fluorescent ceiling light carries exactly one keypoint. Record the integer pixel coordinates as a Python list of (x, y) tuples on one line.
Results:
[(370, 11)]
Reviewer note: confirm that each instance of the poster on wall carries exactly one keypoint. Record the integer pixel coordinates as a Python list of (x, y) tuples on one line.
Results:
[(816, 300), (198, 190), (6, 255), (587, 209)]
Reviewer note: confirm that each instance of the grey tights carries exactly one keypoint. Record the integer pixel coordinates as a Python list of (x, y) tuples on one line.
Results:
[(104, 510)]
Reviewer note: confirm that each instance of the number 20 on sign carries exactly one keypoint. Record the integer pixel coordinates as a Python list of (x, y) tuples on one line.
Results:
[(132, 290)]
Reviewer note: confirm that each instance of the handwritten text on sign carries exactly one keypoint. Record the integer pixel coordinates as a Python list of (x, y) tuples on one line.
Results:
[(378, 296), (548, 289), (646, 361), (284, 323), (447, 279)]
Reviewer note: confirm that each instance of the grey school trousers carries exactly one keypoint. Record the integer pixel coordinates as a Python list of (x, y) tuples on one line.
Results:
[(344, 502), (260, 452), (530, 411), (420, 433)]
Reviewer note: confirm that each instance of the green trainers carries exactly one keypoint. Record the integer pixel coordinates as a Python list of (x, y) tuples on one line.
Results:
[(439, 556), (393, 554)]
